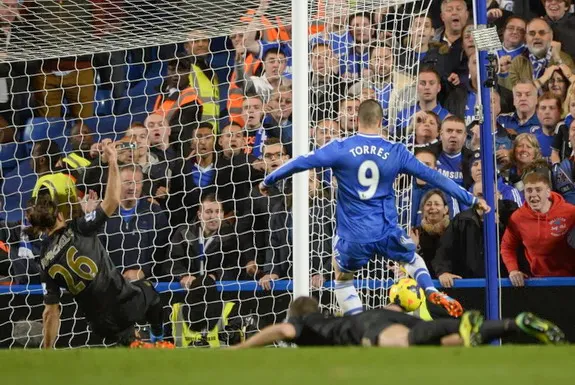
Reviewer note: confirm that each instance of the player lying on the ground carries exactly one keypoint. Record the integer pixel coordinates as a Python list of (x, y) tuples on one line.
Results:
[(72, 258), (365, 167), (306, 326)]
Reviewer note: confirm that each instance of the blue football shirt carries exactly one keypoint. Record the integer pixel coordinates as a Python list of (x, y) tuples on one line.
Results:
[(450, 167), (365, 167), (545, 142)]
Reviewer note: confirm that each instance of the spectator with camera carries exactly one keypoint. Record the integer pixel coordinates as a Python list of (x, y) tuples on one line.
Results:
[(137, 236)]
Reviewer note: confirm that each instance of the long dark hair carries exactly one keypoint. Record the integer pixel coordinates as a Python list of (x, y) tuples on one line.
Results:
[(42, 211)]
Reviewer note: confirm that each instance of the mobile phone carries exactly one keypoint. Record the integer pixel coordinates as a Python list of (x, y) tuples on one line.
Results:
[(126, 146)]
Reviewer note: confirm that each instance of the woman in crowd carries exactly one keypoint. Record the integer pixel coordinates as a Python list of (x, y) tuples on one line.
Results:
[(558, 85), (435, 219), (525, 151), (427, 125)]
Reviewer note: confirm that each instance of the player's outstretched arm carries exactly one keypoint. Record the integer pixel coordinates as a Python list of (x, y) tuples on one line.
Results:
[(322, 157), (413, 166), (269, 335), (50, 324), (113, 187)]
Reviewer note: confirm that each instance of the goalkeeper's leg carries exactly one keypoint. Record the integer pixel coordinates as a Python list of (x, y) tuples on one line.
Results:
[(528, 323), (445, 332), (153, 313)]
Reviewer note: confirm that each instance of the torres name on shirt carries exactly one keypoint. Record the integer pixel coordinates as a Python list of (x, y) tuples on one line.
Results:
[(369, 150)]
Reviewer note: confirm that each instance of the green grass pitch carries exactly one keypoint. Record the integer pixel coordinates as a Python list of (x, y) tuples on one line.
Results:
[(426, 366)]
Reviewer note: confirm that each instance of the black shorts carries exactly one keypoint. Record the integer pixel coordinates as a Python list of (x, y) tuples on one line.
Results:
[(384, 318), (117, 325)]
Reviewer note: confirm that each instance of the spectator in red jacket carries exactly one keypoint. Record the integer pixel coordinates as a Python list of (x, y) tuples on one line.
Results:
[(541, 226)]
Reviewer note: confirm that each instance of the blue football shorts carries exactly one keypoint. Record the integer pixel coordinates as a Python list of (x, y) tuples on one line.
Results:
[(395, 245)]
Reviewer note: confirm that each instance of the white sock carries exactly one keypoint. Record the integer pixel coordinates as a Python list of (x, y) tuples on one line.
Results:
[(347, 298)]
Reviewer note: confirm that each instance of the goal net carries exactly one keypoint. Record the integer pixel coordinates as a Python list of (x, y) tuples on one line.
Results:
[(197, 95)]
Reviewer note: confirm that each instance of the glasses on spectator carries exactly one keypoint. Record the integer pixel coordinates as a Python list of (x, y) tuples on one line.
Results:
[(541, 32), (556, 81), (273, 155), (512, 28)]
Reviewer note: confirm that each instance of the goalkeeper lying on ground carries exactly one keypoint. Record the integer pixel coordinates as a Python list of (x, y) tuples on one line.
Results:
[(306, 326), (72, 258)]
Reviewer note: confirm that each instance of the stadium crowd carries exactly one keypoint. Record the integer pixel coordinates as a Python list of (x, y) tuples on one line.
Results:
[(195, 149)]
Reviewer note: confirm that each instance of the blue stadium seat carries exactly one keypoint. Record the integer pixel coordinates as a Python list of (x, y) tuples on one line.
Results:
[(38, 129), (135, 72), (110, 126), (141, 96), (104, 103), (17, 190), (9, 155)]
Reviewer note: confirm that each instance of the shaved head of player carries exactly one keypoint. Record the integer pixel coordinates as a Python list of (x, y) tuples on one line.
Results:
[(370, 116)]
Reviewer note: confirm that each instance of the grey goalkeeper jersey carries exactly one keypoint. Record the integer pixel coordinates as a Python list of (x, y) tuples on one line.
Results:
[(73, 259)]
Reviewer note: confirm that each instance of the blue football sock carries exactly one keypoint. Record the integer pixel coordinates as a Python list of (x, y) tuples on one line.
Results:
[(154, 339)]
